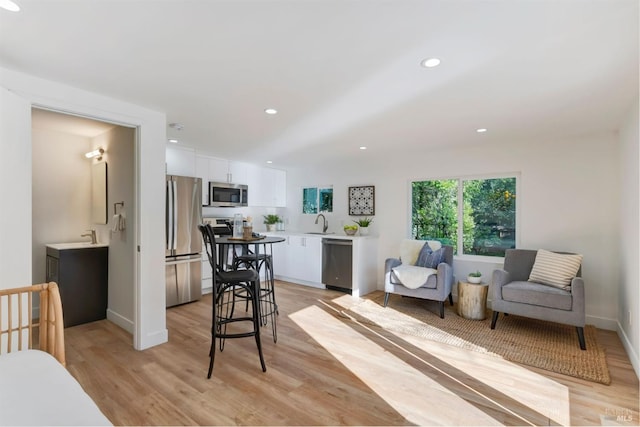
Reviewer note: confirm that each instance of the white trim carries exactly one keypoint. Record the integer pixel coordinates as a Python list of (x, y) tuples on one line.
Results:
[(480, 258), (460, 211), (149, 299), (121, 321), (153, 338), (631, 352)]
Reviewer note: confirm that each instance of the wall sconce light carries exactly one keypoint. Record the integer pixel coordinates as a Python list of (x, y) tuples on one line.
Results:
[(97, 154)]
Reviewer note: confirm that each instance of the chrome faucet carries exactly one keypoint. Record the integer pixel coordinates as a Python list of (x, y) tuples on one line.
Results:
[(324, 222), (92, 234)]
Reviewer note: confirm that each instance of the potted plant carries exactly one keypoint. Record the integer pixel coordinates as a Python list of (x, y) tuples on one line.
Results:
[(474, 277), (270, 221), (364, 223)]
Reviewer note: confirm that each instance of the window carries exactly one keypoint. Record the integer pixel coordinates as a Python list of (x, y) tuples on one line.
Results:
[(475, 216), (316, 200)]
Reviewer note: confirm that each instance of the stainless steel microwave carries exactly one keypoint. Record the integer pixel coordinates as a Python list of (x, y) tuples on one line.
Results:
[(223, 194)]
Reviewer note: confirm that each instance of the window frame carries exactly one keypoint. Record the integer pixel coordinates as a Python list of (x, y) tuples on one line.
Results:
[(319, 189), (459, 255)]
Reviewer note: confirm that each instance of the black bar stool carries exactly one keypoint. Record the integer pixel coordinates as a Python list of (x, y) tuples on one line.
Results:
[(225, 286), (268, 305)]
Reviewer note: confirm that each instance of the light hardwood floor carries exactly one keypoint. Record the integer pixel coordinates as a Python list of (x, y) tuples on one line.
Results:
[(326, 369)]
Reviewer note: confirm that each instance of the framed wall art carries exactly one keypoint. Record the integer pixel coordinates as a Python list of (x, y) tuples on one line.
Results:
[(362, 200)]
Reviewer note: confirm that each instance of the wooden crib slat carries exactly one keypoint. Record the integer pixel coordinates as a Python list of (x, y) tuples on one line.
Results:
[(44, 314), (20, 322), (9, 324), (50, 326), (30, 324)]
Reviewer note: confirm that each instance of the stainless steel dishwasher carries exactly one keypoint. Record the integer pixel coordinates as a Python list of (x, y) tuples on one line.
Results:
[(337, 264)]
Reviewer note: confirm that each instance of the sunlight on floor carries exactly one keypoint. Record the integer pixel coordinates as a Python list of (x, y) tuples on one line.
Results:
[(408, 390), (417, 398)]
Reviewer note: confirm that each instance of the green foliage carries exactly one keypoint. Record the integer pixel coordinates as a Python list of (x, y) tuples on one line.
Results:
[(475, 274), (494, 213), (364, 222), (488, 214), (271, 219), (310, 200), (435, 211), (326, 199)]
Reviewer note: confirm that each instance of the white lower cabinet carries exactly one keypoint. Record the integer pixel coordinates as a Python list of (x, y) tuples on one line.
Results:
[(207, 274), (299, 259)]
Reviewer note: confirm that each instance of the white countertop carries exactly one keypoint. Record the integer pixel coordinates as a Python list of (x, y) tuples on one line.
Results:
[(76, 245), (338, 235)]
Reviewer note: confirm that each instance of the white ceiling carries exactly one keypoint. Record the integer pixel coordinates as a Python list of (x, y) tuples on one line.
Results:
[(342, 73)]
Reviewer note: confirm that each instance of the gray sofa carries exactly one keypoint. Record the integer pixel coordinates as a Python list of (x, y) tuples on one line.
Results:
[(512, 293), (437, 287)]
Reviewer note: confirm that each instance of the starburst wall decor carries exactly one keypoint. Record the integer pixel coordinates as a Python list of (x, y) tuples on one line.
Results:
[(362, 200)]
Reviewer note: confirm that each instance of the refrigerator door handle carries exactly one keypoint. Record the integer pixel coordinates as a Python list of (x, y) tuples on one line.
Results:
[(169, 223), (175, 216)]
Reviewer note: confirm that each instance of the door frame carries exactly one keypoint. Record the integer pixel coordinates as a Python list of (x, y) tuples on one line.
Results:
[(149, 293)]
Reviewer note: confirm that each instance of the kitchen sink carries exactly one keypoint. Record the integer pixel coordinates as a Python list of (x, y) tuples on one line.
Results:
[(320, 232)]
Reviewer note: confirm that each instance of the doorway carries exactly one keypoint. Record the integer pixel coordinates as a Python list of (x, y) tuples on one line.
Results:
[(62, 198)]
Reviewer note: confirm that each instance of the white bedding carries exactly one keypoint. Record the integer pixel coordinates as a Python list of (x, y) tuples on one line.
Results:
[(36, 390)]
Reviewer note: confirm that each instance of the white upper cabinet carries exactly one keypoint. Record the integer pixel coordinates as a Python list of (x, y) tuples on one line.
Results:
[(180, 161), (202, 172), (238, 172), (267, 186), (222, 170), (279, 187), (218, 169)]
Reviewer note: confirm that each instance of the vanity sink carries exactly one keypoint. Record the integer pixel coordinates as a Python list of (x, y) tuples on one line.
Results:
[(76, 245), (320, 232)]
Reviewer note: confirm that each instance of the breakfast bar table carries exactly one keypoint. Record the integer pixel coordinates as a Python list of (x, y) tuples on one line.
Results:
[(255, 259)]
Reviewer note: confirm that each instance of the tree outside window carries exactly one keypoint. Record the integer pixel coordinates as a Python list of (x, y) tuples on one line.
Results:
[(484, 225), (315, 200)]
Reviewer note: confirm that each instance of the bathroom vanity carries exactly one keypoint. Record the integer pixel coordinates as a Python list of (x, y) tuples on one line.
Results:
[(81, 271)]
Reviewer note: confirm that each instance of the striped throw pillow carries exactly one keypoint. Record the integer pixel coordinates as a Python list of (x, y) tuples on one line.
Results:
[(555, 269)]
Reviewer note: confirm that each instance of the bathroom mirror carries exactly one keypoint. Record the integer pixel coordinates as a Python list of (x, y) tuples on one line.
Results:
[(99, 193)]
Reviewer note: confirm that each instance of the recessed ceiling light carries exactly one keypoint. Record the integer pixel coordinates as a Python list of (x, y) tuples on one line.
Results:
[(481, 130), (430, 62), (271, 111), (175, 141), (269, 161), (363, 148), (9, 5)]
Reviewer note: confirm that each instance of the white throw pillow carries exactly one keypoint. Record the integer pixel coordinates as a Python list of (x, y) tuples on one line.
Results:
[(555, 269), (410, 249)]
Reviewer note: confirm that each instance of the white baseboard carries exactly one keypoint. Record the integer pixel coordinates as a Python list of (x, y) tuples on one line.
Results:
[(300, 282), (631, 352), (120, 320), (602, 322), (152, 339)]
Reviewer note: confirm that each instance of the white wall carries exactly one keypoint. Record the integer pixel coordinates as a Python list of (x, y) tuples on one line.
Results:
[(61, 193), (568, 199), (15, 194), (15, 162), (119, 144), (629, 298)]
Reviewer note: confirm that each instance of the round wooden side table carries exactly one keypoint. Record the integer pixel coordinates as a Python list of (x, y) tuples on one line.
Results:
[(472, 300)]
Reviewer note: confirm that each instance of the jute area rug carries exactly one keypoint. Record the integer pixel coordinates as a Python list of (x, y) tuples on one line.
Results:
[(550, 346)]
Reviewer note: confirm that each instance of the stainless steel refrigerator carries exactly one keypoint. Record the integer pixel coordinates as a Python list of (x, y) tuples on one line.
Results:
[(184, 241)]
